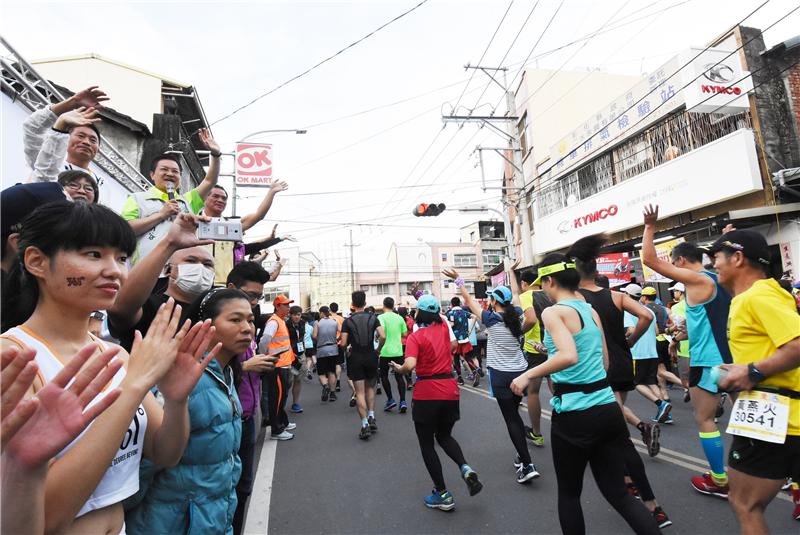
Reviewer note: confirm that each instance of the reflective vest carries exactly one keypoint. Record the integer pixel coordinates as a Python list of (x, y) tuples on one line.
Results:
[(280, 343)]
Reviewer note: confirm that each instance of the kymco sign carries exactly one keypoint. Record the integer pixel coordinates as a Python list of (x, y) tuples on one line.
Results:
[(253, 164)]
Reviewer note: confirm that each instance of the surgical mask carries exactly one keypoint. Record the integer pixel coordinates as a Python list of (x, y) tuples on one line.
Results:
[(194, 279)]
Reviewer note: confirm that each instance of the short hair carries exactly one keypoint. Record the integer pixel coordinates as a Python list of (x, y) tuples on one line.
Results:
[(325, 311), (359, 299), (388, 302), (528, 276), (160, 157), (245, 272), (217, 186), (90, 125), (334, 307), (456, 302), (72, 175), (294, 309), (690, 251)]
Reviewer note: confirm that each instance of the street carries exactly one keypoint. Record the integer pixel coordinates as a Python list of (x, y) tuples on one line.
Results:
[(328, 481)]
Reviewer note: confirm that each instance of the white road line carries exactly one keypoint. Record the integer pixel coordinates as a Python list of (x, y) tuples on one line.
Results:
[(671, 456), (257, 519)]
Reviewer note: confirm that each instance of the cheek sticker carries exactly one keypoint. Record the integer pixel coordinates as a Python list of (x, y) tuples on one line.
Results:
[(75, 281)]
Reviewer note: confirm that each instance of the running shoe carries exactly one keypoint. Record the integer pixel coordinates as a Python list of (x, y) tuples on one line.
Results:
[(460, 380), (661, 517), (527, 473), (470, 477), (721, 407), (650, 436), (378, 390), (373, 425), (705, 484), (353, 401), (338, 386), (296, 408), (538, 440), (633, 491), (663, 411), (796, 500), (282, 436), (332, 397), (410, 384), (470, 377), (364, 433), (787, 485), (291, 425), (390, 404), (403, 407), (481, 372), (476, 381), (440, 500), (687, 397), (326, 392), (309, 375)]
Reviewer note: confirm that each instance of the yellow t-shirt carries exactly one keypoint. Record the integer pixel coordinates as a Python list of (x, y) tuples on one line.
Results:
[(535, 334), (762, 319)]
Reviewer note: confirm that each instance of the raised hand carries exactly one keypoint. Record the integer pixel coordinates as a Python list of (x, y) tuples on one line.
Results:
[(209, 142), (288, 237), (18, 373), (728, 228), (274, 230), (183, 231), (60, 414), (450, 273), (77, 117), (278, 186), (650, 214), (91, 97), (190, 362)]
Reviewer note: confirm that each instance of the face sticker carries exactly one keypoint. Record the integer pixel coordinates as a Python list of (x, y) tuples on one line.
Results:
[(75, 281)]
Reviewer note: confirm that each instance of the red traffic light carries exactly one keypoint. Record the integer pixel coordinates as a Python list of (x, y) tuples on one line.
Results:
[(428, 210)]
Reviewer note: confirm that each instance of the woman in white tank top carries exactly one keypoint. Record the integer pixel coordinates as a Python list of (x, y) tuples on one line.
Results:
[(72, 261)]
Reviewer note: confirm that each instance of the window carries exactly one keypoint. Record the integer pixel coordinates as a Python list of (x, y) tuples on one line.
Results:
[(465, 260), (381, 288), (271, 293), (492, 257), (522, 134), (365, 288), (444, 257)]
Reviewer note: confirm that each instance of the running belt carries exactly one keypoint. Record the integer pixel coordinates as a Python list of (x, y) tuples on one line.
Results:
[(436, 376), (559, 389)]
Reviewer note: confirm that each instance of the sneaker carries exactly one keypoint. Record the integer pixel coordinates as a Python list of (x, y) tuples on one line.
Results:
[(633, 491), (527, 473), (470, 477), (663, 411), (378, 390), (282, 436), (470, 377), (353, 401), (326, 392), (364, 433), (687, 397), (338, 386), (721, 407), (538, 440), (460, 380), (661, 517), (290, 426), (443, 501), (390, 404), (481, 372), (410, 384), (650, 436), (787, 485), (705, 484), (309, 375), (296, 408), (403, 407), (332, 397), (476, 381), (373, 425)]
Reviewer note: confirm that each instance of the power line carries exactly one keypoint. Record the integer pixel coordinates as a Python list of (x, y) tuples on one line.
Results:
[(292, 79), (541, 36)]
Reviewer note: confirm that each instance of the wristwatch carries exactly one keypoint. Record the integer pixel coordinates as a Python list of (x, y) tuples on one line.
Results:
[(755, 374)]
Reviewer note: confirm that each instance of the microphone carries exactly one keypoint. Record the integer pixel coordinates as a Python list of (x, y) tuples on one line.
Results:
[(171, 191)]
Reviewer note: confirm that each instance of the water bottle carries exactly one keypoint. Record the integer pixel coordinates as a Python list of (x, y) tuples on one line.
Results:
[(717, 374)]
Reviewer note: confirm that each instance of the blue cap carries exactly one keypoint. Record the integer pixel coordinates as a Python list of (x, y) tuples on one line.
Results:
[(501, 293), (428, 303), (20, 200)]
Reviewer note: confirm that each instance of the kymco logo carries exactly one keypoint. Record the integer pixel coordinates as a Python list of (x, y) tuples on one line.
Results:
[(588, 219)]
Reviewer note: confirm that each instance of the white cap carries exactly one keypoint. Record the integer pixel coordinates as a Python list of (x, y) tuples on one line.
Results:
[(633, 289), (678, 286)]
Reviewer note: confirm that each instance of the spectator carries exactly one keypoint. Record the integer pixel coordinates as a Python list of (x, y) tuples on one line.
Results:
[(68, 129), (151, 212), (79, 185)]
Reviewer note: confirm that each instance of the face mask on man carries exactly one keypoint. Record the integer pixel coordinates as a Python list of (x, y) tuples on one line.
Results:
[(194, 279)]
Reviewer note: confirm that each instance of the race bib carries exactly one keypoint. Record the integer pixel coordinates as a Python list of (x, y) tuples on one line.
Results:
[(760, 415)]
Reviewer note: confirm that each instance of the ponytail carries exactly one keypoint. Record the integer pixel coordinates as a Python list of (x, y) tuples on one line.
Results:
[(584, 254), (512, 319)]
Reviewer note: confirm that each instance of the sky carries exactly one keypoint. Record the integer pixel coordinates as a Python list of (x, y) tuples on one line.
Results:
[(376, 144)]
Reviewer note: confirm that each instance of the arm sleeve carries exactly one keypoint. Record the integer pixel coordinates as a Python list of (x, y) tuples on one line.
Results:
[(34, 129), (195, 201), (256, 246), (130, 210), (45, 149), (266, 337)]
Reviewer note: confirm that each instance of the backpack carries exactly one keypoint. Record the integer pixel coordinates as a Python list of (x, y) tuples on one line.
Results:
[(460, 319)]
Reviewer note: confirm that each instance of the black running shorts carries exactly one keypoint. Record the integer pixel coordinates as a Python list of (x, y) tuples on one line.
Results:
[(362, 367), (645, 371), (766, 460), (326, 365)]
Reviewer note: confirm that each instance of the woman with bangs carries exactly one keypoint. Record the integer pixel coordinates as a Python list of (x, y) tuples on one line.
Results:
[(72, 260), (587, 424)]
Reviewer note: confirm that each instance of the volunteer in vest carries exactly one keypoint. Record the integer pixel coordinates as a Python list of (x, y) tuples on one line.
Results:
[(434, 404), (765, 343), (198, 495), (63, 270), (275, 342), (707, 307), (151, 212), (223, 251), (587, 423)]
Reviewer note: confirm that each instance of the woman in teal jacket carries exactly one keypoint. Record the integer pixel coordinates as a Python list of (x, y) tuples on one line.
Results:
[(198, 496)]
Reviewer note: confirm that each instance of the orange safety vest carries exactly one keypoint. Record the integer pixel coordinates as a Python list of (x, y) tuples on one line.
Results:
[(280, 343)]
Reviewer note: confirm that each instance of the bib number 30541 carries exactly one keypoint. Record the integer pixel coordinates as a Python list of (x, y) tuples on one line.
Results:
[(760, 415)]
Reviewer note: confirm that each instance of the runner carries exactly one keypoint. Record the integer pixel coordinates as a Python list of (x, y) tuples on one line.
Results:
[(311, 319), (679, 345), (505, 361), (707, 306), (358, 332), (664, 375), (394, 327), (587, 424), (324, 335), (275, 342), (403, 312), (765, 344), (435, 407), (459, 320)]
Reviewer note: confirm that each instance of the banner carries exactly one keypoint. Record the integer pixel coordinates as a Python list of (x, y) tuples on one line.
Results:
[(615, 266), (663, 250), (253, 164)]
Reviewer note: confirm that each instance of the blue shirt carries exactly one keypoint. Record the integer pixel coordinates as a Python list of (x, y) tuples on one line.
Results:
[(707, 327), (589, 368), (645, 347)]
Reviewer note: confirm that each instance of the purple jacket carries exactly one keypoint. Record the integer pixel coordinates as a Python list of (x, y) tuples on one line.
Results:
[(250, 387)]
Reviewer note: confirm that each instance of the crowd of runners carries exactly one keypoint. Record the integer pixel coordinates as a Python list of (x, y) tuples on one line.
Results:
[(137, 364)]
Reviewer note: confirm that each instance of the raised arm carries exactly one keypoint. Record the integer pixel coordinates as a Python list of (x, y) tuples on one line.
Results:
[(212, 175), (474, 307), (274, 275), (251, 219)]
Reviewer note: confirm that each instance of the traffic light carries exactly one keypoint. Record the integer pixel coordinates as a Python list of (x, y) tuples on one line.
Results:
[(424, 210)]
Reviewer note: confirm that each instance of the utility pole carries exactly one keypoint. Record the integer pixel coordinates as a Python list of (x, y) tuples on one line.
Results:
[(351, 245), (510, 133)]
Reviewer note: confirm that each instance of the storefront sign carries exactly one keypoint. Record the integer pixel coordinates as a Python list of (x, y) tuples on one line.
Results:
[(617, 267), (664, 252), (253, 164)]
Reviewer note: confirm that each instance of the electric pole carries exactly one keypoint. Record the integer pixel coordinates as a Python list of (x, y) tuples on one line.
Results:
[(351, 245)]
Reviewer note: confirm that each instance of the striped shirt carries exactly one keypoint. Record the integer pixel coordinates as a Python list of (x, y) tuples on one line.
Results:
[(503, 352)]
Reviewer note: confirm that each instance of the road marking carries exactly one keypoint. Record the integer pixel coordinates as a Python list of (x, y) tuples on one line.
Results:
[(671, 456), (257, 519)]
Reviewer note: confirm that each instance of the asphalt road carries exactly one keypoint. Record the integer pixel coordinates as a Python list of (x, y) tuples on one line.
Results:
[(328, 481)]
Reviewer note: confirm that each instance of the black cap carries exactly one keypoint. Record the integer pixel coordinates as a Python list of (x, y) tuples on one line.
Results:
[(20, 200), (751, 244)]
